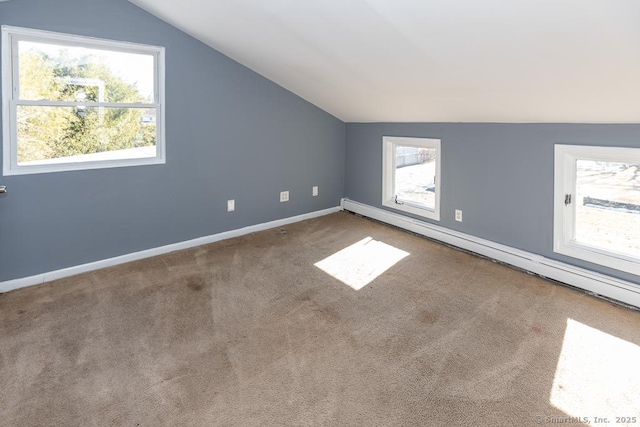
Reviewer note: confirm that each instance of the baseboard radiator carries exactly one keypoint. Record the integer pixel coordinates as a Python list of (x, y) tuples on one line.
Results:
[(590, 281)]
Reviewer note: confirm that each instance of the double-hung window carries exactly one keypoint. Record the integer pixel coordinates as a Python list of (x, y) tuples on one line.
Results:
[(73, 102), (597, 205), (411, 175)]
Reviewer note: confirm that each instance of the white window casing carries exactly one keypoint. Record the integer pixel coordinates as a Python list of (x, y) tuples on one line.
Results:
[(389, 199), (11, 36), (566, 200)]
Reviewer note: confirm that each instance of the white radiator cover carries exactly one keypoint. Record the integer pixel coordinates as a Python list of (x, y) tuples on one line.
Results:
[(590, 281)]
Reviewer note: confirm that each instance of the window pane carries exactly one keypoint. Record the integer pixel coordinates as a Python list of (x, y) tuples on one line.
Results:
[(608, 206), (49, 135), (415, 175), (71, 73)]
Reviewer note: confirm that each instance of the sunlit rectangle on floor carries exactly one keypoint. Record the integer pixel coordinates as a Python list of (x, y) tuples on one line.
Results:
[(361, 263), (597, 375)]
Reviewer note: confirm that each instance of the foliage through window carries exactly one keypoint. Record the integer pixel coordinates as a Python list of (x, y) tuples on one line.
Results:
[(77, 102)]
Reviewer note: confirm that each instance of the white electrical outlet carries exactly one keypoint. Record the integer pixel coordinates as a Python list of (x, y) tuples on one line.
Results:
[(458, 215), (284, 196), (231, 205), (315, 191)]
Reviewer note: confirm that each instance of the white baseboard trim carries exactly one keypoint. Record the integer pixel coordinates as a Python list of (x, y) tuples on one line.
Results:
[(600, 284), (11, 285)]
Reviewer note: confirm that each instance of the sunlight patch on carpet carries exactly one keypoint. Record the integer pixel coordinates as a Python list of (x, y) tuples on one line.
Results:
[(597, 375), (361, 263)]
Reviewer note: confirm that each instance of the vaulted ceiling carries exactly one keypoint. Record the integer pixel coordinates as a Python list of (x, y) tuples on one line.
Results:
[(433, 60)]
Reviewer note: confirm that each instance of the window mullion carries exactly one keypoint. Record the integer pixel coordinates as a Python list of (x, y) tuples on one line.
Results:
[(48, 103)]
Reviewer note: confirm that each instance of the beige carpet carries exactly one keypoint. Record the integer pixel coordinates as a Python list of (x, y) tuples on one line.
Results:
[(250, 332)]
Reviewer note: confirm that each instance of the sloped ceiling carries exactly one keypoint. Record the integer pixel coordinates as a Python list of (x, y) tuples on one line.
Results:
[(433, 60)]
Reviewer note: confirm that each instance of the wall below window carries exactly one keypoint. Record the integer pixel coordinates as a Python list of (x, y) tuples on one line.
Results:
[(499, 175), (230, 134)]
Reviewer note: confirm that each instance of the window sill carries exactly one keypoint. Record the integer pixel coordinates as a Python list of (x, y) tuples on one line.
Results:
[(66, 167), (604, 258), (423, 212)]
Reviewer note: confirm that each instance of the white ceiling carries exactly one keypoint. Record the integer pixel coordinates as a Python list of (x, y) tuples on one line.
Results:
[(433, 60)]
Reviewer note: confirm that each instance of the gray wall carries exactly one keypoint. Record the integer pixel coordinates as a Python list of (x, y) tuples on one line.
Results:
[(217, 113), (499, 175)]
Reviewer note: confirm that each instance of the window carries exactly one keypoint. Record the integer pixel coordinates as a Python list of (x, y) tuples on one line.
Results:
[(411, 175), (72, 102), (597, 205)]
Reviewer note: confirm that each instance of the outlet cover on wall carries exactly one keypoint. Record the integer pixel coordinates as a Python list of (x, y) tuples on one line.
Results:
[(314, 192), (284, 196), (458, 215), (231, 205)]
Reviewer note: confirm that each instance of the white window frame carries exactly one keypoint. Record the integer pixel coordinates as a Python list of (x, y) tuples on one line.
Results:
[(10, 98), (389, 144), (564, 241)]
